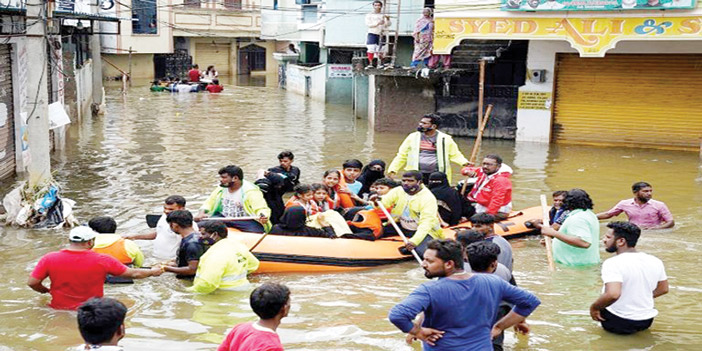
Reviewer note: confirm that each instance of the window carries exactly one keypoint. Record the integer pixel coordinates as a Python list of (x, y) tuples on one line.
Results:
[(309, 14), (144, 17), (232, 4), (192, 4)]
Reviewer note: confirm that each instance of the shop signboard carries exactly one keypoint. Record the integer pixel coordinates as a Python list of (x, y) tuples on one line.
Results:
[(340, 71), (594, 5), (591, 36)]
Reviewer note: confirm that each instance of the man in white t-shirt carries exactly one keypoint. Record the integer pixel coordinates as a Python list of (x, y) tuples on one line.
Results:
[(631, 281), (166, 242)]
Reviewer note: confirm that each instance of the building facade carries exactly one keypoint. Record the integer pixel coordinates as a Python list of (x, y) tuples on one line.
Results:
[(626, 73), (164, 39)]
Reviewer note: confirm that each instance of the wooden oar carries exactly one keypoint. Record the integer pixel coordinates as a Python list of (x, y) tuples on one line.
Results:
[(476, 146), (399, 231), (549, 252)]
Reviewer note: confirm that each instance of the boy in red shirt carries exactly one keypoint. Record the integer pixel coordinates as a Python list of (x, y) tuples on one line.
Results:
[(77, 273), (271, 302), (214, 87)]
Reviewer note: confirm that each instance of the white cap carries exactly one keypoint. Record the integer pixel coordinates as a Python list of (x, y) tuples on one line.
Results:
[(82, 233)]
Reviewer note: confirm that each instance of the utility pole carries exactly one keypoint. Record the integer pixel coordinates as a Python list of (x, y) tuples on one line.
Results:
[(37, 109)]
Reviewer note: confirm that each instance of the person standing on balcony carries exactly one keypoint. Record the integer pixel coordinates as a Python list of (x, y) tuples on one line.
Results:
[(376, 23), (423, 38)]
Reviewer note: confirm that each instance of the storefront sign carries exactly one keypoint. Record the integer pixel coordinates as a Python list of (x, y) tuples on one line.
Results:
[(597, 5), (534, 100), (592, 37), (339, 71)]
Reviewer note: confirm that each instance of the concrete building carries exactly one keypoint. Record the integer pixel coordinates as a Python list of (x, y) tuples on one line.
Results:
[(329, 34), (165, 40), (49, 77), (626, 75)]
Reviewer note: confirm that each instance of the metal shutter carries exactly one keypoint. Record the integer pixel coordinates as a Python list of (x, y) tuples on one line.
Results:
[(629, 100), (216, 54), (7, 129)]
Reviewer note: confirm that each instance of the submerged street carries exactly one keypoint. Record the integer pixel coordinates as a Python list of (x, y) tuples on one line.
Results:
[(151, 145)]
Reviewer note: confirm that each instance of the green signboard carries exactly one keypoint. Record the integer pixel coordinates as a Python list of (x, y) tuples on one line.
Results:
[(594, 5)]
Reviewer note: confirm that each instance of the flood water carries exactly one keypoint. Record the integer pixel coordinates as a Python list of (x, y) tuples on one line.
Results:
[(151, 145)]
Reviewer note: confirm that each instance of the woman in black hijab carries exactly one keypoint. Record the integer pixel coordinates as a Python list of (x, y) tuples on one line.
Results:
[(294, 223), (448, 199), (373, 171)]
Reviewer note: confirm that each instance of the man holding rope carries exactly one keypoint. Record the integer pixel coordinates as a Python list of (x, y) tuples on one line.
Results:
[(414, 208)]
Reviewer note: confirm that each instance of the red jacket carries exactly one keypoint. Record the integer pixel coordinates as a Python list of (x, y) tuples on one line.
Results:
[(493, 191)]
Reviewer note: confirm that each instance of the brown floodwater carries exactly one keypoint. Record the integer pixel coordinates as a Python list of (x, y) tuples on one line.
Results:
[(151, 145)]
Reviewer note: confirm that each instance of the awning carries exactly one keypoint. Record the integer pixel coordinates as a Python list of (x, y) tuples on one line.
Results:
[(86, 16)]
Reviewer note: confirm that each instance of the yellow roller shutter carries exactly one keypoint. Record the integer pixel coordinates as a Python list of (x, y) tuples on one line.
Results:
[(216, 54), (631, 100)]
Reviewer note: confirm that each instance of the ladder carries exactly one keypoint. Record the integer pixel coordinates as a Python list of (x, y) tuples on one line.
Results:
[(392, 6)]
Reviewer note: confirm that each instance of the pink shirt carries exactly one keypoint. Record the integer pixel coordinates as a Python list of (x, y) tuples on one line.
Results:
[(648, 215), (251, 337)]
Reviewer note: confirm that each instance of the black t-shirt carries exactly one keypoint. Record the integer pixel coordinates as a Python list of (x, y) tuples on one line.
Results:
[(190, 249), (292, 177)]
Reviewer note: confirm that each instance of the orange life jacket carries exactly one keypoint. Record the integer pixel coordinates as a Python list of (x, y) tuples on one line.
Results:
[(117, 251), (345, 200), (368, 219)]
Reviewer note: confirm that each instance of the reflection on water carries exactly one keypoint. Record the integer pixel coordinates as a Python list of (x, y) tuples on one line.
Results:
[(156, 144)]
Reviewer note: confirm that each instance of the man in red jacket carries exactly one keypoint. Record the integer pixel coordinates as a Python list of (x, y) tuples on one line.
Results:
[(492, 192)]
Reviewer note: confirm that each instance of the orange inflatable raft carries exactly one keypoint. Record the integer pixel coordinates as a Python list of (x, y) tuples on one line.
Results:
[(279, 253)]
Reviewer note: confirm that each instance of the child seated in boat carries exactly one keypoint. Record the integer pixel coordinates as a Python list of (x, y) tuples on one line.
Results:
[(295, 222), (337, 194), (321, 197), (304, 197)]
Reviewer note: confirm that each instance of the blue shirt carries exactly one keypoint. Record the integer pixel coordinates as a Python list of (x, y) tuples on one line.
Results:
[(464, 309), (355, 187)]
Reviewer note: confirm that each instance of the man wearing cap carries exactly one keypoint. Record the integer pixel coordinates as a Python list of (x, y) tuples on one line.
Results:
[(77, 273)]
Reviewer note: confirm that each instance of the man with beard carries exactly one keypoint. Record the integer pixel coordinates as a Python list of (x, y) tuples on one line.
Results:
[(459, 309), (642, 210), (236, 197), (492, 191), (631, 281), (415, 210), (427, 150)]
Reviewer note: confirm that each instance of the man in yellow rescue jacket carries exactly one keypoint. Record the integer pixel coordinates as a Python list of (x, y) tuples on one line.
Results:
[(225, 264), (109, 243), (415, 210), (427, 150), (236, 197)]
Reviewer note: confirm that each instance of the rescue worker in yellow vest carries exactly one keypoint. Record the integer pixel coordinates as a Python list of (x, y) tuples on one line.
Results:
[(225, 264), (109, 243), (427, 150), (415, 211)]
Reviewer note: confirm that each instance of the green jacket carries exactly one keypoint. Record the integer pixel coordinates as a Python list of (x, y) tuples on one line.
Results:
[(422, 208), (446, 151), (252, 197)]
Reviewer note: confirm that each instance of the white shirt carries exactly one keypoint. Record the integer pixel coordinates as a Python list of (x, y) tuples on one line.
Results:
[(167, 242), (639, 274), (232, 206), (99, 347)]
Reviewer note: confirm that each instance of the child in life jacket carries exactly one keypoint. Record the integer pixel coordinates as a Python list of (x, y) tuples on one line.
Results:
[(321, 197), (339, 198), (304, 197)]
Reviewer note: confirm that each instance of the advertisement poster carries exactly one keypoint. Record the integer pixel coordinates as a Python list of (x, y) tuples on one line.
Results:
[(591, 36), (594, 5)]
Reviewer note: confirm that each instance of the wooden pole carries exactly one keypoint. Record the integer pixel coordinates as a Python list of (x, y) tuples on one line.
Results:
[(481, 92), (130, 66), (476, 146), (549, 247), (399, 231)]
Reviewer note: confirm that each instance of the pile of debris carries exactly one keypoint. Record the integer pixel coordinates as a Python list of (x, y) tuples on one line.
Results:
[(38, 207)]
